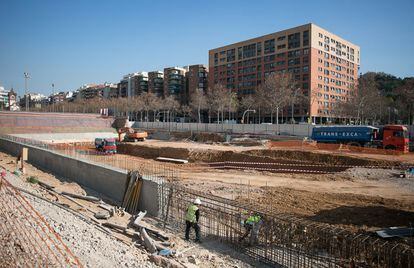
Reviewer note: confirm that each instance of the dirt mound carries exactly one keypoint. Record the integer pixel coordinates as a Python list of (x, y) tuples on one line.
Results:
[(321, 158), (268, 156), (152, 152)]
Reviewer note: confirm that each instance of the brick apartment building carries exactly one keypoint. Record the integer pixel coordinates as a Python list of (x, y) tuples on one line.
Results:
[(325, 65), (197, 79), (175, 83), (156, 83)]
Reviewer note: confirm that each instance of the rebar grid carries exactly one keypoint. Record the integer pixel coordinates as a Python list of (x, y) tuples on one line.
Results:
[(26, 239), (284, 239)]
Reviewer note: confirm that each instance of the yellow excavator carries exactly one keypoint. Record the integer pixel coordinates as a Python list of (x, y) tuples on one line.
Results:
[(131, 135)]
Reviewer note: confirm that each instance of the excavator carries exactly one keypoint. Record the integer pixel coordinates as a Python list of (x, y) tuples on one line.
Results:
[(131, 135)]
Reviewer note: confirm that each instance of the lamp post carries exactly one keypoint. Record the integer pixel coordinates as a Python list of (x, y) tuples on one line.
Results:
[(248, 110), (53, 97), (26, 76)]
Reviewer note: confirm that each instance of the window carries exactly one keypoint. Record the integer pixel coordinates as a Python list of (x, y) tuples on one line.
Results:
[(293, 40), (281, 46), (279, 55), (249, 51), (259, 48), (281, 38), (231, 55), (306, 38), (305, 69), (269, 46), (306, 51)]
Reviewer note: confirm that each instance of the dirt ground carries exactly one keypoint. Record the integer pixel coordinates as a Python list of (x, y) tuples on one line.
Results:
[(93, 249), (358, 198)]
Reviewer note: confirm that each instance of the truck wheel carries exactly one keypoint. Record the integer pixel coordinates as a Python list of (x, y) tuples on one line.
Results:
[(390, 147), (355, 147)]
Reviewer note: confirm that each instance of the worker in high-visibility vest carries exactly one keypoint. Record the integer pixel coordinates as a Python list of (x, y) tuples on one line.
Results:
[(191, 220), (251, 225)]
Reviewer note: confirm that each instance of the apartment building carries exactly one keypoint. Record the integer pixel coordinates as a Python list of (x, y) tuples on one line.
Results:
[(133, 84), (197, 79), (156, 83), (90, 91), (110, 91), (35, 100), (175, 83), (323, 64)]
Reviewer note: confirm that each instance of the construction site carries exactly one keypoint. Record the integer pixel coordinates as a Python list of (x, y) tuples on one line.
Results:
[(81, 190)]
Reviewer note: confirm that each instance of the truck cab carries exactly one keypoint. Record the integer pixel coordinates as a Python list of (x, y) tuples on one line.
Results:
[(395, 137), (106, 145)]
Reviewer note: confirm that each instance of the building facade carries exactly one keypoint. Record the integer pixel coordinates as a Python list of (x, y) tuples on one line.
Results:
[(323, 64), (156, 83), (197, 79), (175, 83), (35, 100)]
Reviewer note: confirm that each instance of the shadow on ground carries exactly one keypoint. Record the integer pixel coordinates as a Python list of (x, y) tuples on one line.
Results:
[(370, 216)]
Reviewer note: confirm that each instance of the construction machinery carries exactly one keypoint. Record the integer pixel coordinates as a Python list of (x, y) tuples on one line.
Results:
[(107, 146), (131, 135)]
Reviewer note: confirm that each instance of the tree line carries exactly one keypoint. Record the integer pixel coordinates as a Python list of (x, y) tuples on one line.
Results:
[(377, 99)]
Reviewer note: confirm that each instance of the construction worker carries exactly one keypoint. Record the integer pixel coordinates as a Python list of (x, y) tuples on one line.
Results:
[(252, 225), (191, 220)]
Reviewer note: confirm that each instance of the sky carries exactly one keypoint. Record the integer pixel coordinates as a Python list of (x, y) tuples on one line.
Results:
[(71, 43)]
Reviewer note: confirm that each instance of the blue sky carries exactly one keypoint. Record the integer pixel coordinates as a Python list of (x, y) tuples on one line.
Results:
[(70, 43)]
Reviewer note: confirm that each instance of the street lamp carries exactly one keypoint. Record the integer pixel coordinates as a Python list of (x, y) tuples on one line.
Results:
[(26, 76), (248, 110), (53, 97)]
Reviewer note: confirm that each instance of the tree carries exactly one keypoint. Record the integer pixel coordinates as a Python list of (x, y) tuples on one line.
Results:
[(170, 105), (405, 98), (247, 103), (198, 102), (217, 100), (278, 87)]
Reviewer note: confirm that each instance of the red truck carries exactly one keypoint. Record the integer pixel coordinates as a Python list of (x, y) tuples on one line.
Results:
[(390, 137), (107, 146)]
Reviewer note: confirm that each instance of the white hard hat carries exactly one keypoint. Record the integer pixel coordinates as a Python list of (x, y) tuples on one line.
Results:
[(197, 201)]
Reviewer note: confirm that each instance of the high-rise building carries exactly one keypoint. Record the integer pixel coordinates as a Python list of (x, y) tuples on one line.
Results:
[(175, 83), (156, 83), (325, 65), (133, 84), (197, 79), (140, 83)]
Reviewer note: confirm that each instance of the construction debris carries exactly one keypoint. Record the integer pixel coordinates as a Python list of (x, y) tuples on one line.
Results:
[(102, 215), (172, 160), (396, 232), (133, 191), (84, 197)]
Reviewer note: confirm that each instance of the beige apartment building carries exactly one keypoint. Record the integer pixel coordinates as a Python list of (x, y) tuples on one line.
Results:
[(324, 65)]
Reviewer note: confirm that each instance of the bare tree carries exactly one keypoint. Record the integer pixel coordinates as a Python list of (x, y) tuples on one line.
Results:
[(405, 98), (278, 88), (216, 100), (170, 105), (198, 102), (247, 103)]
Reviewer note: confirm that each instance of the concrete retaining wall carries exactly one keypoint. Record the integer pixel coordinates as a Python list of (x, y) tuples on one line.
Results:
[(109, 181), (301, 130), (283, 129)]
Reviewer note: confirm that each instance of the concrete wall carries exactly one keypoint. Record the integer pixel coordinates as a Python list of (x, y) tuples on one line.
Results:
[(283, 129), (300, 130), (109, 181), (149, 199)]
